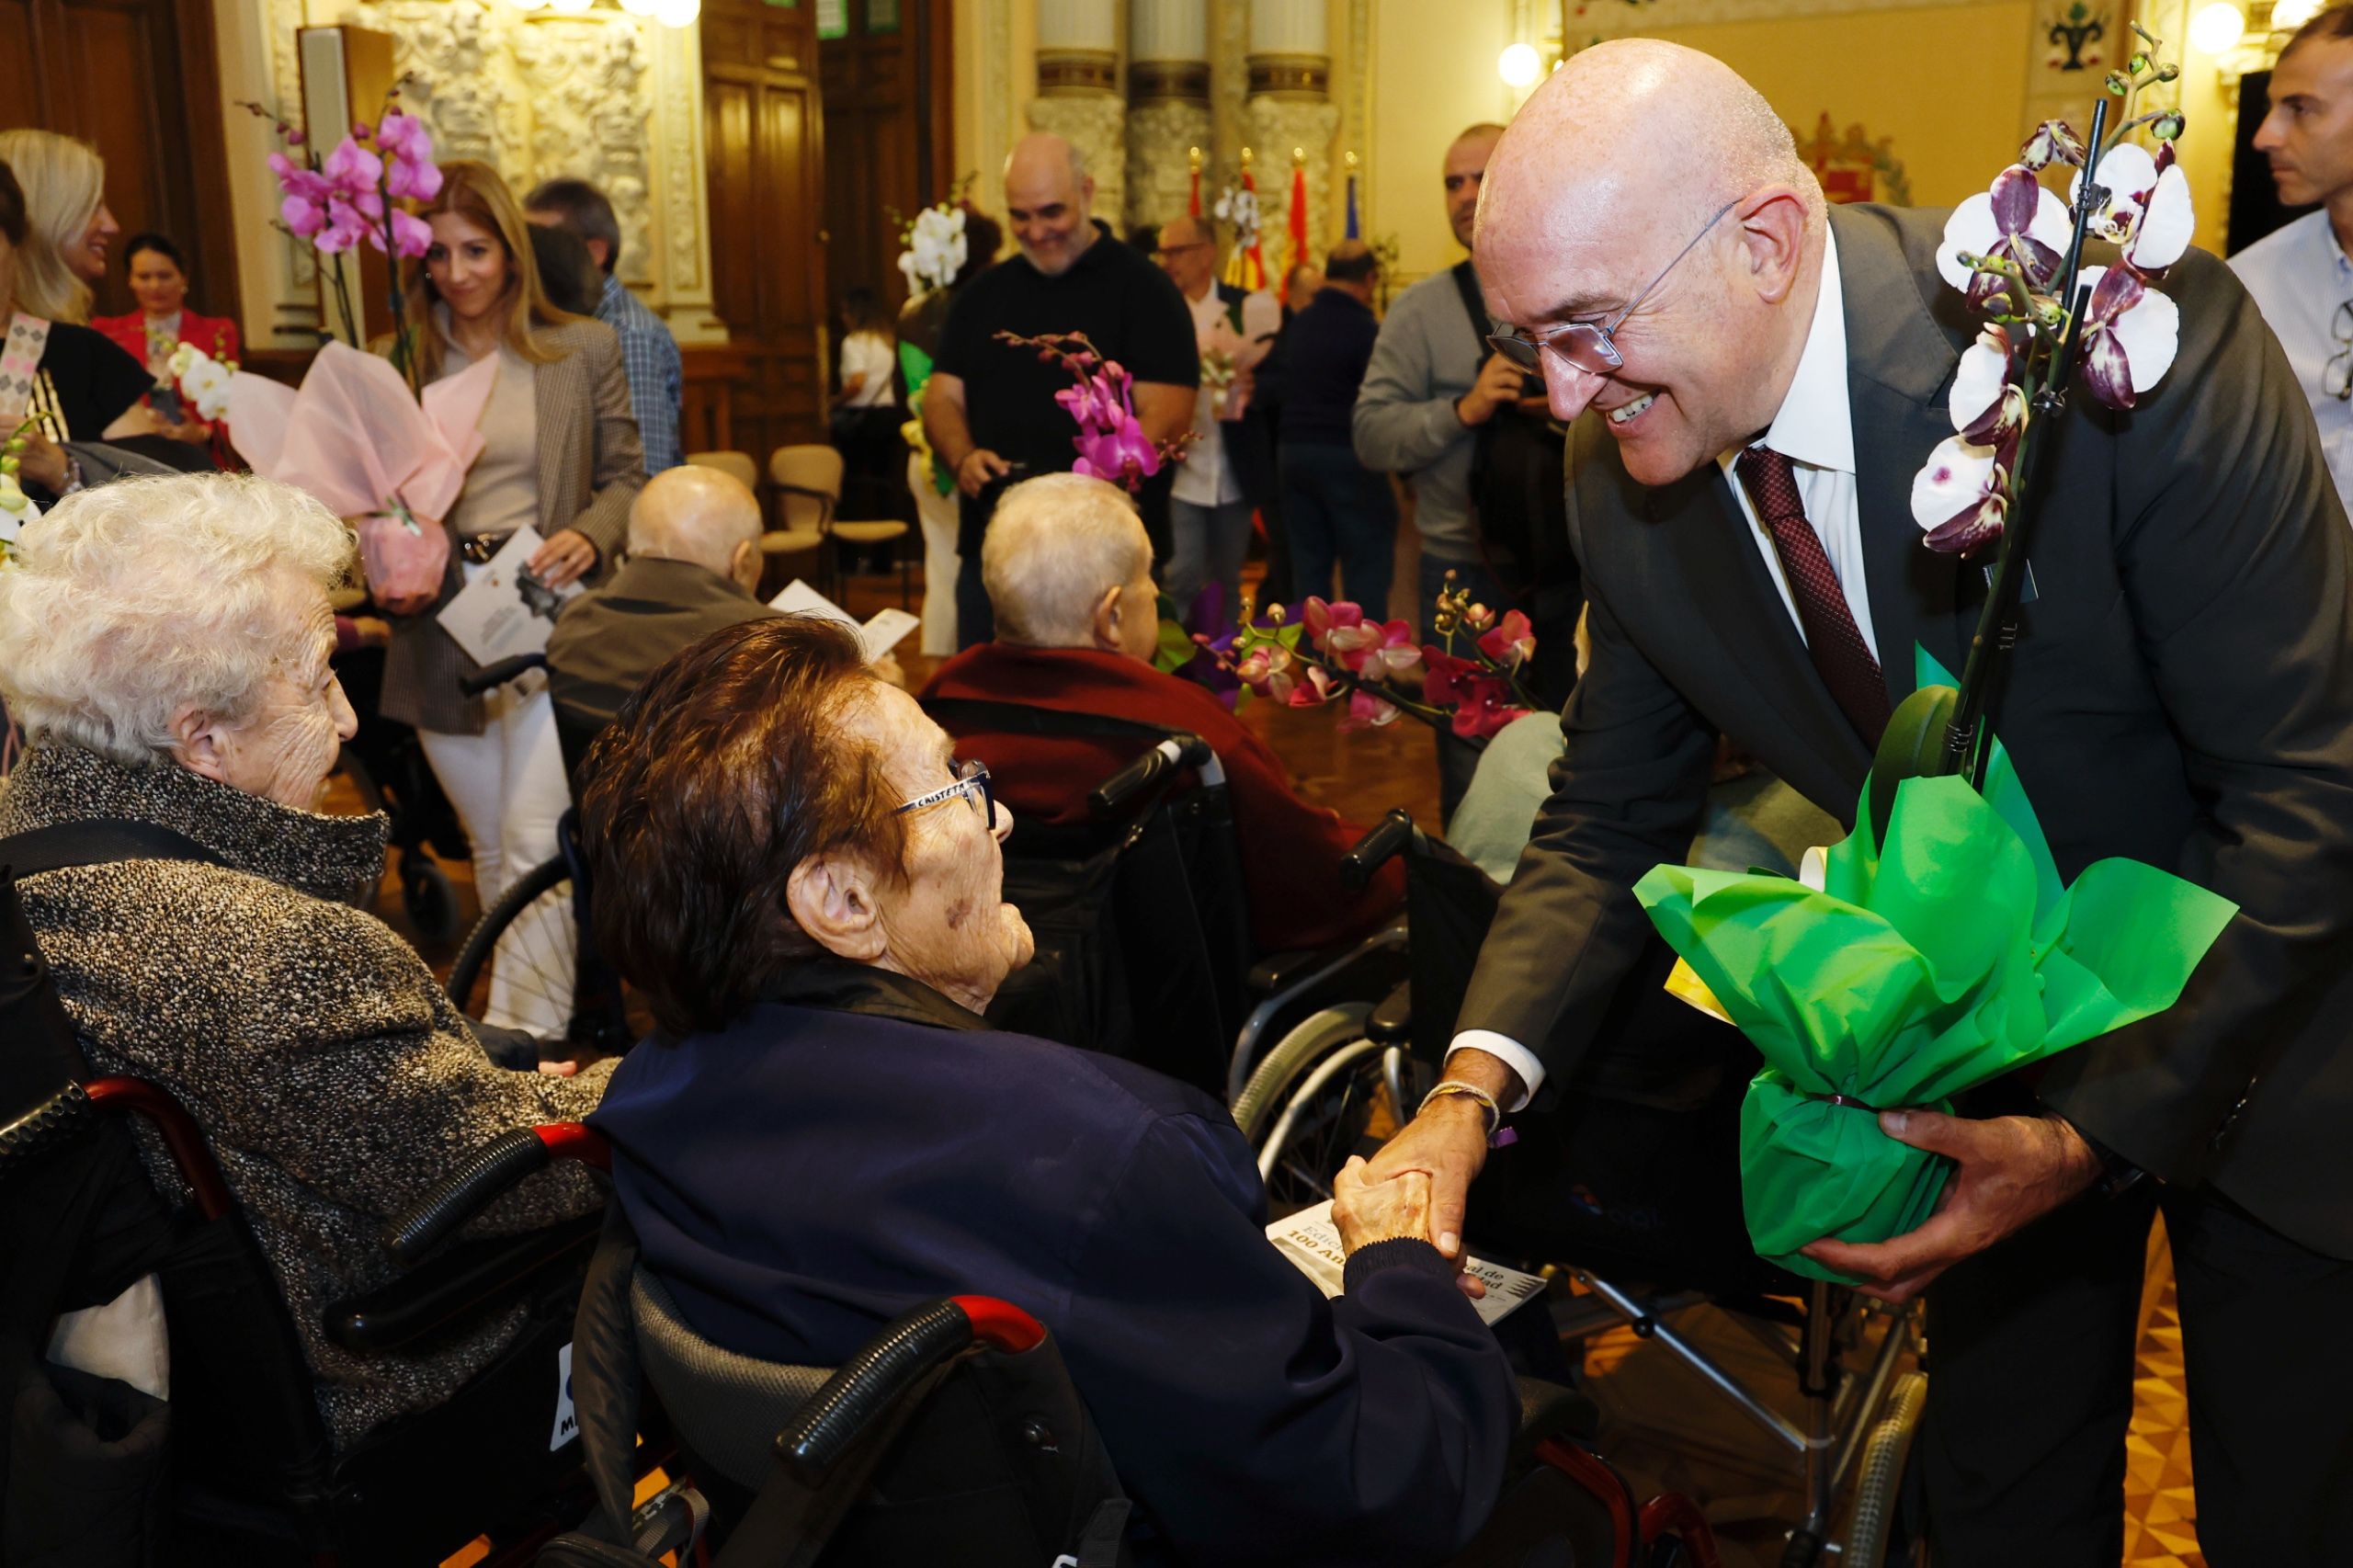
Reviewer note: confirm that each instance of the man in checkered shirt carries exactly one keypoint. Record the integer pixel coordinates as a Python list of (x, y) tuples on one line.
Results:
[(649, 354)]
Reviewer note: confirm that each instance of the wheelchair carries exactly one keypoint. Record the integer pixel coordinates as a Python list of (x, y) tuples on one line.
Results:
[(386, 765), (953, 1439), (535, 939), (1650, 1195), (254, 1477)]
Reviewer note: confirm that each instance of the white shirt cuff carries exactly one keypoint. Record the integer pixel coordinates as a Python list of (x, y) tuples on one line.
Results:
[(1512, 1054)]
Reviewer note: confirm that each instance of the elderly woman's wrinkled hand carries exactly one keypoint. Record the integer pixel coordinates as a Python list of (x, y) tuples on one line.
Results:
[(1367, 1210)]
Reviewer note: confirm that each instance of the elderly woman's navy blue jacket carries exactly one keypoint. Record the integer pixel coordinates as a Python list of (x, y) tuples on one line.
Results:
[(861, 1144)]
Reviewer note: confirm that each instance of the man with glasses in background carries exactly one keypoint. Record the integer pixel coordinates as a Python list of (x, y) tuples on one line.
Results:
[(1753, 379), (2298, 274), (1431, 392)]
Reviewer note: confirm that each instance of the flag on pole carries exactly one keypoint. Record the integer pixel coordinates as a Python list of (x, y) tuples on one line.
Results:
[(1298, 215)]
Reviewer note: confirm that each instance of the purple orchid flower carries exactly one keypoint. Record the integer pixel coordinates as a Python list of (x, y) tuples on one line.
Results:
[(2017, 221), (2130, 334)]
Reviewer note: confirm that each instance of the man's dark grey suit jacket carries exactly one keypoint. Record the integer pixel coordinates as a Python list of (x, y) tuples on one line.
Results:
[(2182, 695)]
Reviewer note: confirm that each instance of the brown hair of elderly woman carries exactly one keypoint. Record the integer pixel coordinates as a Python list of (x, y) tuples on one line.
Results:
[(728, 768)]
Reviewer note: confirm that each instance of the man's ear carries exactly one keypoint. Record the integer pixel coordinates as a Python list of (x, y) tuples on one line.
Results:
[(1772, 226), (832, 898), (1108, 612), (200, 744), (744, 565)]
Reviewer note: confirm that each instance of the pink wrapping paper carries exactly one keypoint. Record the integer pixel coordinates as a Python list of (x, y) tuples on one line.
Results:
[(355, 439)]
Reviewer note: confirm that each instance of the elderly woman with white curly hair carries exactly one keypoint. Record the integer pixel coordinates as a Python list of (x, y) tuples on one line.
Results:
[(166, 644)]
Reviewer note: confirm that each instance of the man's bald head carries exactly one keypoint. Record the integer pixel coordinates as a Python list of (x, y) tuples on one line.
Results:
[(1050, 197), (698, 515), (1629, 153), (1189, 254)]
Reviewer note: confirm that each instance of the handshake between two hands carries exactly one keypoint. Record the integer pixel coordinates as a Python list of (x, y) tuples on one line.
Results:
[(1366, 1208)]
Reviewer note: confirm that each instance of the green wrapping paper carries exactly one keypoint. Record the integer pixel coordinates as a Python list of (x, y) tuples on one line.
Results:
[(1919, 969)]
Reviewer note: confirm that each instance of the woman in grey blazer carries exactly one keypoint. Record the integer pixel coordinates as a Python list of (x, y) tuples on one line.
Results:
[(561, 455)]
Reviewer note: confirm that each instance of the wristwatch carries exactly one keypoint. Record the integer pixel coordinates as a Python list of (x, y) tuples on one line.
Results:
[(2117, 1174)]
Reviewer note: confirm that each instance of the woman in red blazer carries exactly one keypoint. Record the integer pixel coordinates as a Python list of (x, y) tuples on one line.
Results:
[(159, 281)]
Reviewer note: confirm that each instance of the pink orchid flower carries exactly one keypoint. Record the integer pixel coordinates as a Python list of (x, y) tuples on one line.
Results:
[(351, 168), (412, 235), (1318, 689), (1511, 642), (412, 173), (346, 225), (1266, 670), (1366, 712), (297, 180)]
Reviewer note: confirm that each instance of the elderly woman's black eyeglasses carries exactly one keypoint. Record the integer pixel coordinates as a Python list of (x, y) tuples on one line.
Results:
[(1590, 346), (971, 782)]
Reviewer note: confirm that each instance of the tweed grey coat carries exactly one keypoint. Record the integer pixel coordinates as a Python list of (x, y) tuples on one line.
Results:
[(591, 468), (332, 1077)]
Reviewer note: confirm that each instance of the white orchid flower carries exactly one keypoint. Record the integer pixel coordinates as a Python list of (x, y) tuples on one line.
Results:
[(1984, 400), (2167, 221), (2017, 221), (206, 385), (2130, 334), (1959, 497)]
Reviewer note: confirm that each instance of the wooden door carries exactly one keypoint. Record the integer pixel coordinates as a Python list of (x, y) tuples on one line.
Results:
[(139, 80), (765, 138), (887, 86)]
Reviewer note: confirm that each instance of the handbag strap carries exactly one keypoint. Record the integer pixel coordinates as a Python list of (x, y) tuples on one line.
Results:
[(27, 340), (96, 841)]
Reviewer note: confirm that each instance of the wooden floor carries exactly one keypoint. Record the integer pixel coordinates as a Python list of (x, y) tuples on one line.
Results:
[(1362, 775)]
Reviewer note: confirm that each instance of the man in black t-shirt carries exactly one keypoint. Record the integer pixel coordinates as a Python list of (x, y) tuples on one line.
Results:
[(989, 408)]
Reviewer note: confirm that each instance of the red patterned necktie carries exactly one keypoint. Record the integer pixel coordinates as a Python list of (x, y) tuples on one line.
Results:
[(1840, 655)]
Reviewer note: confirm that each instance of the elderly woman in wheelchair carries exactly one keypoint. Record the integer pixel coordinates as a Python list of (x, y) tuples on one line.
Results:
[(165, 644), (806, 886)]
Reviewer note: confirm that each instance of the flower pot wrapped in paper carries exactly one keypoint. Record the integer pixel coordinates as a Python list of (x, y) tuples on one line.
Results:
[(355, 438), (1909, 971)]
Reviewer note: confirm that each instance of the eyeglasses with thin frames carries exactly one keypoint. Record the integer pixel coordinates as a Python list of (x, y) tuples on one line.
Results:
[(971, 782), (1591, 346), (2336, 376)]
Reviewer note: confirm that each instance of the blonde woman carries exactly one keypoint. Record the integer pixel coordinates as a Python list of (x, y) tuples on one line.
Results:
[(559, 455), (69, 381), (64, 182)]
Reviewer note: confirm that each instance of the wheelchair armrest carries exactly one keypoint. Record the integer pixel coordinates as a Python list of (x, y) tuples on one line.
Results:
[(1547, 1411), (1391, 1022), (75, 1108), (896, 1363), (455, 1284), (482, 1176), (1277, 970)]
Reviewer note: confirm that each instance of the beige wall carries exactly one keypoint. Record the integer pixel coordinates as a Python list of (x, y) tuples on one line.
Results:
[(1433, 72)]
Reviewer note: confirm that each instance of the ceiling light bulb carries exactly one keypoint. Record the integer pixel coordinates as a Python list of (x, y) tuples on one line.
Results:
[(676, 13), (2216, 28), (1519, 65), (2287, 15)]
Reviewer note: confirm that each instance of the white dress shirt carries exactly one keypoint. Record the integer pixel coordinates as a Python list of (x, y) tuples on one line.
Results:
[(2299, 279), (1206, 478), (1815, 430)]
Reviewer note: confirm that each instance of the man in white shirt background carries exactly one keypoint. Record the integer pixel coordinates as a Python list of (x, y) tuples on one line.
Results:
[(1223, 478), (2298, 274)]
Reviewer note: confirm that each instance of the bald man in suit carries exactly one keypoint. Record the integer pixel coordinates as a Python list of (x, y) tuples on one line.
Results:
[(2182, 695)]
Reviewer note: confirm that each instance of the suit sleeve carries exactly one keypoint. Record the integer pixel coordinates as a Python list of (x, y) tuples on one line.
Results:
[(2233, 549), (1256, 1422), (1627, 793), (620, 455)]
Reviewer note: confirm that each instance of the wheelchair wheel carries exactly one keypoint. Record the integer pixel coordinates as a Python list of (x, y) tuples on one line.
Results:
[(1871, 1538), (532, 959), (1306, 1042), (1327, 1113)]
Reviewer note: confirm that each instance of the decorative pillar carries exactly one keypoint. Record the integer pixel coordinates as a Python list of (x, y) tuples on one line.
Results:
[(1078, 97), (1168, 105), (1289, 114)]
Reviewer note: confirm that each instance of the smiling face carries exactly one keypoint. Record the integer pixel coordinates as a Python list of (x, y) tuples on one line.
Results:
[(157, 283), (1048, 201), (86, 253), (2308, 134), (947, 924), (469, 266)]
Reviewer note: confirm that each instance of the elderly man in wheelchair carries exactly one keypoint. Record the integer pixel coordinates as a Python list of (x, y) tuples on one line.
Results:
[(804, 882)]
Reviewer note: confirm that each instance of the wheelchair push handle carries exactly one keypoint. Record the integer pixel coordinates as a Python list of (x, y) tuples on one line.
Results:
[(896, 1364), (499, 674), (1113, 797), (1386, 837), (482, 1176)]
